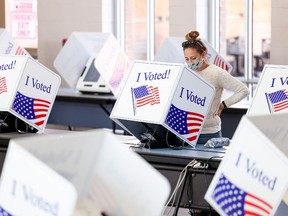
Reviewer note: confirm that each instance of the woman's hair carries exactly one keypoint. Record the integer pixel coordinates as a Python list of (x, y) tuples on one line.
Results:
[(192, 41)]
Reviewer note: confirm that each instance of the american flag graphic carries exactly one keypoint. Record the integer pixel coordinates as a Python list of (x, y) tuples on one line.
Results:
[(3, 85), (277, 100), (185, 123), (4, 212), (31, 108), (221, 63), (121, 66), (20, 51), (234, 201), (144, 95)]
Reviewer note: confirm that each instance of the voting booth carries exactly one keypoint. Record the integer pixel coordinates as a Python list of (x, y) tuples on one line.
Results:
[(30, 187), (8, 45), (92, 62), (271, 95), (109, 178), (158, 98), (252, 177), (171, 51), (27, 89)]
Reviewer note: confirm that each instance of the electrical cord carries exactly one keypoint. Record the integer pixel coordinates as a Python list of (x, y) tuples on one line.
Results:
[(189, 187), (205, 177), (20, 131), (172, 146), (178, 185)]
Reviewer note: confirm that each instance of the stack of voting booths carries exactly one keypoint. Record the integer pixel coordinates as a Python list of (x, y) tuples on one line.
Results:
[(92, 62), (94, 66)]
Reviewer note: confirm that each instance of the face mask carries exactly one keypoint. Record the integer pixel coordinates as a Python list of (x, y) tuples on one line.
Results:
[(196, 65)]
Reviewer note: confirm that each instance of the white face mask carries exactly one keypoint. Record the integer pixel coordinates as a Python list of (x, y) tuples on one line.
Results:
[(196, 65)]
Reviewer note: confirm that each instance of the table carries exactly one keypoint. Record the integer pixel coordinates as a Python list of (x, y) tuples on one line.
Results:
[(83, 110), (171, 162), (93, 110)]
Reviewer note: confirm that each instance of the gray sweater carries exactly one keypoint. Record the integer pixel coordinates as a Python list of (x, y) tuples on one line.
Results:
[(221, 80)]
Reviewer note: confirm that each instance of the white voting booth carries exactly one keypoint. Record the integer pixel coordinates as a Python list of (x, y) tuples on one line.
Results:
[(92, 62), (9, 46), (30, 187), (253, 175), (271, 95), (27, 89), (161, 97), (110, 179), (171, 51), (252, 178)]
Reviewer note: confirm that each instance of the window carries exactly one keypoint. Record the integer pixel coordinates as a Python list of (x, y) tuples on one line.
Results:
[(145, 27), (233, 28), (245, 36)]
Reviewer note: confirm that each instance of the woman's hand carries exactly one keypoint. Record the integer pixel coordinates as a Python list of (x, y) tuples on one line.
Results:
[(220, 108)]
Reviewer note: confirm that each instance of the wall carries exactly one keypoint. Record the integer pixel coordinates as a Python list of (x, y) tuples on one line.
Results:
[(58, 18), (184, 17), (279, 35)]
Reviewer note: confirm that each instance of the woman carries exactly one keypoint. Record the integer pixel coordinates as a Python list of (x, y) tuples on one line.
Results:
[(195, 52)]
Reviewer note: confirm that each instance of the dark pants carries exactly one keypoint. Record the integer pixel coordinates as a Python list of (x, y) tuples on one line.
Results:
[(203, 138)]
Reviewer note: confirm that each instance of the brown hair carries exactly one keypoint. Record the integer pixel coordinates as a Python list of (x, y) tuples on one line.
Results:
[(192, 41)]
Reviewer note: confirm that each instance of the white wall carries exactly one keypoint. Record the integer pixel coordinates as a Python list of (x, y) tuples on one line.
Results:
[(58, 18), (184, 17), (279, 32)]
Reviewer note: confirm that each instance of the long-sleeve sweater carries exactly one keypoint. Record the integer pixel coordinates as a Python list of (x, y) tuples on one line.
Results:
[(221, 80)]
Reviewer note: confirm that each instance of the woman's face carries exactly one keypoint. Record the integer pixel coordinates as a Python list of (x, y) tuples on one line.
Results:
[(191, 55)]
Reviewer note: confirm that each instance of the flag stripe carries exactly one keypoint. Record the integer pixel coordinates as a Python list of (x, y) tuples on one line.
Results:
[(39, 123), (251, 213), (251, 204), (194, 124), (3, 85), (194, 119), (221, 63), (260, 201), (192, 138), (196, 114)]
